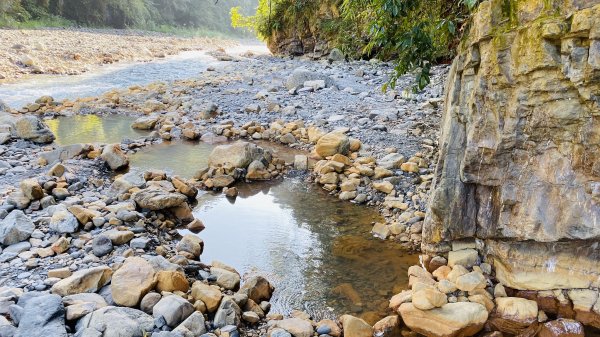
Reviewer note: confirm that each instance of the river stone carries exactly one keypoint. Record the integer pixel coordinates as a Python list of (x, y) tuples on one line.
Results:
[(114, 157), (471, 281), (149, 301), (83, 281), (332, 143), (190, 244), (193, 326), (32, 189), (295, 326), (15, 227), (173, 309), (301, 75), (62, 221), (32, 128), (102, 245), (63, 153), (132, 281), (157, 199), (171, 280), (562, 327), (257, 288), (225, 278), (124, 183), (451, 320), (145, 123), (118, 322), (118, 237), (387, 327), (42, 316), (210, 295), (228, 313), (355, 327), (237, 155), (428, 298)]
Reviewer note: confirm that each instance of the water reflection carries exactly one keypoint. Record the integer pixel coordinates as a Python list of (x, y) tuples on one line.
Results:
[(93, 129), (316, 249), (182, 158)]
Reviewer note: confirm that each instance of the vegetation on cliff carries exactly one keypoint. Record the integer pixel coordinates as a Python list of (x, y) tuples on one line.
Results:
[(163, 15), (415, 33)]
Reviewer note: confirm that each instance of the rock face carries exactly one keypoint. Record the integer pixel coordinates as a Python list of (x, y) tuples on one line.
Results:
[(452, 319), (519, 161)]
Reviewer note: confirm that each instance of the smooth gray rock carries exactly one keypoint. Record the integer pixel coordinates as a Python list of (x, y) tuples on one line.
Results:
[(43, 316), (174, 309), (117, 322), (228, 313), (16, 227)]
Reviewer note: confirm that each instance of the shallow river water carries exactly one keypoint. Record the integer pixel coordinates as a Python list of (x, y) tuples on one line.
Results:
[(316, 249)]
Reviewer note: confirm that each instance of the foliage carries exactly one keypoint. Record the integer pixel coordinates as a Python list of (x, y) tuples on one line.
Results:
[(179, 15), (413, 33)]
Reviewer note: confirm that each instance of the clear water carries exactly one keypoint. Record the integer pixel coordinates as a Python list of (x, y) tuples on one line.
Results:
[(106, 78), (93, 129), (181, 158), (317, 250)]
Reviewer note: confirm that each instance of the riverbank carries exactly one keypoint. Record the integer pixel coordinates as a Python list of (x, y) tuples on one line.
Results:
[(74, 51)]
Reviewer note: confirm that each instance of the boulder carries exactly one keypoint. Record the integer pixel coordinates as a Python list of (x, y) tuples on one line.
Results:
[(117, 322), (15, 227), (124, 183), (171, 280), (295, 326), (42, 316), (562, 327), (32, 128), (332, 143), (355, 327), (132, 281), (193, 326), (62, 221), (32, 189), (513, 314), (257, 288), (190, 244), (301, 75), (145, 123), (451, 320), (157, 199), (83, 281), (225, 278), (387, 327), (174, 309), (114, 157), (237, 155), (210, 295), (228, 313)]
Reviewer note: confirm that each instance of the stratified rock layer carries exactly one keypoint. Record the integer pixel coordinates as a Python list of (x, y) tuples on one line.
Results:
[(520, 146)]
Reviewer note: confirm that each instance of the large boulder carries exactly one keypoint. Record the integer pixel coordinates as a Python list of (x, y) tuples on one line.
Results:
[(237, 155), (228, 313), (32, 128), (42, 316), (193, 325), (332, 143), (145, 123), (451, 320), (15, 227), (132, 281), (156, 199), (210, 295), (83, 281), (117, 322), (114, 157)]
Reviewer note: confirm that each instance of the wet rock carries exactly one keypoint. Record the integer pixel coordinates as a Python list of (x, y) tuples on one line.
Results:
[(83, 281), (452, 319), (157, 199), (31, 128), (42, 316), (132, 281), (118, 322), (114, 157), (15, 227), (387, 327), (355, 327), (173, 309)]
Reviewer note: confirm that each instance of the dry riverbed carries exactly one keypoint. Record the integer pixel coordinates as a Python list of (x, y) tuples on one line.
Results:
[(74, 51)]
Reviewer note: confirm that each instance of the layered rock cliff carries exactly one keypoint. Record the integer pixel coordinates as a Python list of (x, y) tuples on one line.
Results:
[(519, 165)]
